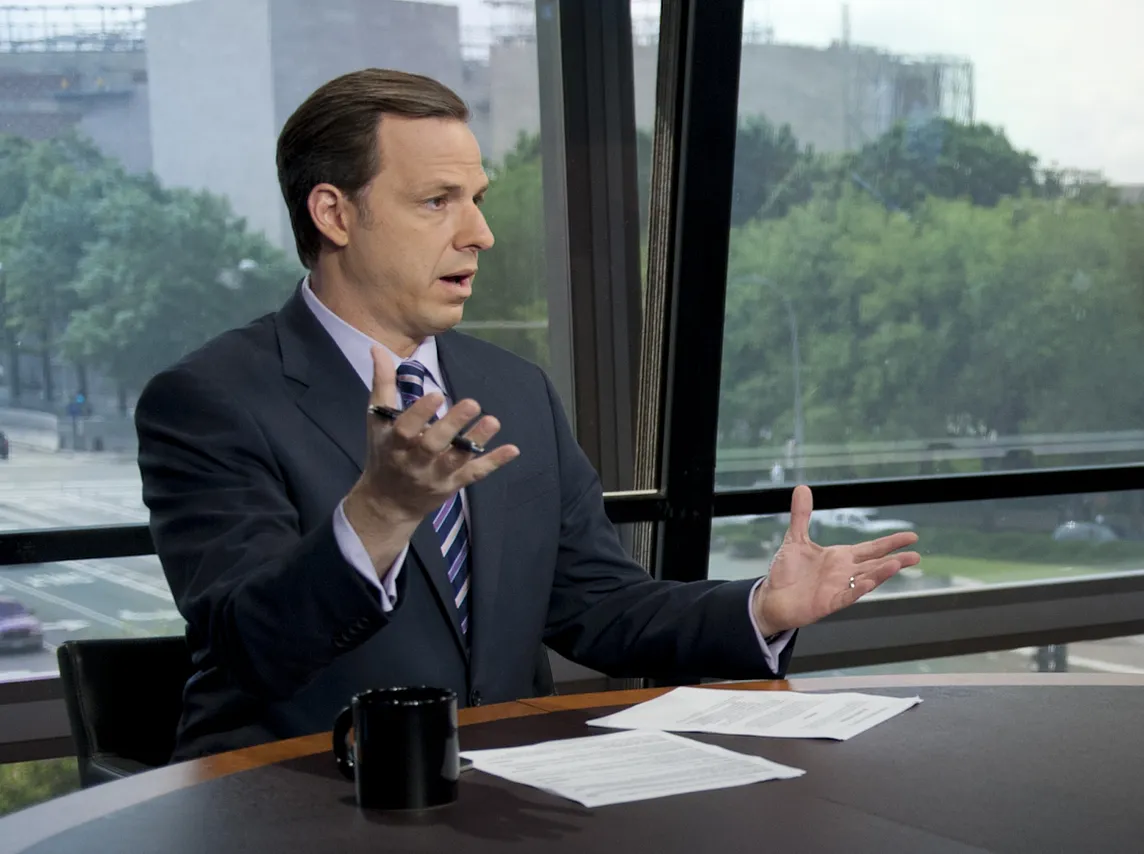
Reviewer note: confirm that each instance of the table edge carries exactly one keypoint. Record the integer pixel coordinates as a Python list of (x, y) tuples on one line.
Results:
[(34, 824)]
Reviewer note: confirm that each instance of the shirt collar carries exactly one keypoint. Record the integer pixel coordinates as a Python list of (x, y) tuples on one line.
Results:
[(355, 344)]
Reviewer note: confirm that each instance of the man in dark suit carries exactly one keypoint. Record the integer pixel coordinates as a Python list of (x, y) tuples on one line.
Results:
[(317, 550)]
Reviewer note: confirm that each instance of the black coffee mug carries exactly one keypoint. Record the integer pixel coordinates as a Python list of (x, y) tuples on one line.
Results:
[(405, 752)]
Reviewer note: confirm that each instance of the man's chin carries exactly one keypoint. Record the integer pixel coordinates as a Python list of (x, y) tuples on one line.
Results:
[(447, 318)]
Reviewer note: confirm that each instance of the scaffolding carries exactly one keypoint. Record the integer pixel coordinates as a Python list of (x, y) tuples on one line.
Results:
[(514, 22), (882, 89), (71, 29)]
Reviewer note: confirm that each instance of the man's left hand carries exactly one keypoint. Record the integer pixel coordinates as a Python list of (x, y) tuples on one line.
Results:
[(807, 581)]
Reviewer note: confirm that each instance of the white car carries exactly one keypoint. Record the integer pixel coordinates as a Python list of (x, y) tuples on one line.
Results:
[(1088, 532), (864, 519)]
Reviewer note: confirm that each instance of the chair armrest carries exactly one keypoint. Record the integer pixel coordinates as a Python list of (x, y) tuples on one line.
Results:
[(107, 767)]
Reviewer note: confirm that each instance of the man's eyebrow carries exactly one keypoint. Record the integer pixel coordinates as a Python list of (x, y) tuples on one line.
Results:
[(450, 189)]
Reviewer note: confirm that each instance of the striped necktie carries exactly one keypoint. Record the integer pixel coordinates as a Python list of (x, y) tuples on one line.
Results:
[(449, 520)]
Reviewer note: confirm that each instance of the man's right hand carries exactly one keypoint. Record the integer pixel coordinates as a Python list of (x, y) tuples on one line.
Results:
[(412, 467)]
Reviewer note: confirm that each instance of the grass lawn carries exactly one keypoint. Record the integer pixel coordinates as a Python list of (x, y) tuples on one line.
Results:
[(1003, 571)]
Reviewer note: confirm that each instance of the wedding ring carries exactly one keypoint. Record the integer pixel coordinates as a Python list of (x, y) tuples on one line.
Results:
[(851, 582)]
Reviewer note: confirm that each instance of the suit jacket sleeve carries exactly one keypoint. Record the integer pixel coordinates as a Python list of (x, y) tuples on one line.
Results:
[(608, 614), (264, 602)]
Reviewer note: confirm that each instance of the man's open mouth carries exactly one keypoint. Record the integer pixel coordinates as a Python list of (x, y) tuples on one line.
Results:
[(461, 279)]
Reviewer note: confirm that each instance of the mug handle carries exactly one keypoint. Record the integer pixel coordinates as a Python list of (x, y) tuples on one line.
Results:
[(343, 753)]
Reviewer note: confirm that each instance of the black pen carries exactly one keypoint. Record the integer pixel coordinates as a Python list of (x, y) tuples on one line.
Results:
[(459, 442)]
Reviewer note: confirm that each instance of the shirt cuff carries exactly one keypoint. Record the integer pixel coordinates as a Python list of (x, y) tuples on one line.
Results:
[(773, 646), (356, 556)]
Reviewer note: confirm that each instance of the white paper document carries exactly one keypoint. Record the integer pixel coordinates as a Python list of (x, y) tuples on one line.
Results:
[(626, 766), (777, 714)]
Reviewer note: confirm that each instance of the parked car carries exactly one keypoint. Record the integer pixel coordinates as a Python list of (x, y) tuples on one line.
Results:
[(3, 446), (1089, 532), (863, 519), (20, 631)]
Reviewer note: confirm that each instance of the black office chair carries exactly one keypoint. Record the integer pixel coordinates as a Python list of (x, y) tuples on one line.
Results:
[(124, 698)]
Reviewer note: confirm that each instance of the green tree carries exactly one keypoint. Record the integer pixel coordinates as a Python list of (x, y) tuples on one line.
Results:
[(163, 273), (24, 784), (1017, 318), (943, 158), (949, 290), (14, 173), (512, 285), (51, 188), (773, 171), (114, 271)]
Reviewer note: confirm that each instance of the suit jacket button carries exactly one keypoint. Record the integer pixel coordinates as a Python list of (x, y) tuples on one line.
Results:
[(474, 698)]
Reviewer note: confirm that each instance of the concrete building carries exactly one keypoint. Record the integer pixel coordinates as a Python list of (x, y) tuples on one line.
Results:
[(203, 103), (833, 98), (93, 80), (226, 74)]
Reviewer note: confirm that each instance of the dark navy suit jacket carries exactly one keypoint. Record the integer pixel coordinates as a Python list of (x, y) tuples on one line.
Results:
[(247, 446)]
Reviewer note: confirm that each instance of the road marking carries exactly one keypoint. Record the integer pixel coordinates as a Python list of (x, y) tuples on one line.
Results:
[(116, 576), (26, 519), (86, 572), (66, 626), (74, 606), (57, 579), (149, 616)]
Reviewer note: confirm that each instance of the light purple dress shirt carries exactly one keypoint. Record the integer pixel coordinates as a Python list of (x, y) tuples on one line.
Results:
[(355, 346)]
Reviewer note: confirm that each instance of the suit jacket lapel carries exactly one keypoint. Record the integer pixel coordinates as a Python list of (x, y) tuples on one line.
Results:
[(426, 545), (333, 396), (329, 390), (463, 378)]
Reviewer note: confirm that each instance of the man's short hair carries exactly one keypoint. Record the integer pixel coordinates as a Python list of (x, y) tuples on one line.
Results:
[(332, 138)]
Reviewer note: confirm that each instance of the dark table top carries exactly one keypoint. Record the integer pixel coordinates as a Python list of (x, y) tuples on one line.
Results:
[(1037, 763)]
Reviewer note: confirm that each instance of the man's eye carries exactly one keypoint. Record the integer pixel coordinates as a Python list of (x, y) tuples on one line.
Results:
[(436, 204)]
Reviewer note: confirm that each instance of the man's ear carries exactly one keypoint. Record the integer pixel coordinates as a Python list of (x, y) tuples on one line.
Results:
[(332, 213)]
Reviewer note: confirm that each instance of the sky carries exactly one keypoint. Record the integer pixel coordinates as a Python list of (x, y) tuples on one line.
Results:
[(1064, 78)]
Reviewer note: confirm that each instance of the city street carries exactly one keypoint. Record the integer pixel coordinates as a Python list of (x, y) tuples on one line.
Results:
[(125, 597), (121, 597)]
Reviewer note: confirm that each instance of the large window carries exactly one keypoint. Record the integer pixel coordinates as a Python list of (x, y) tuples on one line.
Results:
[(936, 258), (116, 263), (140, 215), (935, 268)]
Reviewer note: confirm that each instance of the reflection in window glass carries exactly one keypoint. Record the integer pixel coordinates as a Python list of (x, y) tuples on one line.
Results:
[(936, 254)]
